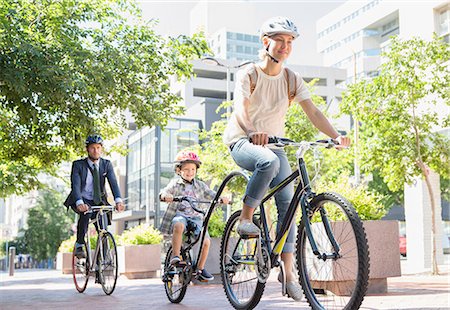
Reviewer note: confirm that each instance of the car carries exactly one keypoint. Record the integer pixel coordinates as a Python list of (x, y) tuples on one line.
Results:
[(402, 245)]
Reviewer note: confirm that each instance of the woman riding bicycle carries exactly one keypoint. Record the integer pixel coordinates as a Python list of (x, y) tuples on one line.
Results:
[(261, 98)]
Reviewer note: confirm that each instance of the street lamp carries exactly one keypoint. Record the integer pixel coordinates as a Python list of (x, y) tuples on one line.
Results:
[(215, 62), (356, 128)]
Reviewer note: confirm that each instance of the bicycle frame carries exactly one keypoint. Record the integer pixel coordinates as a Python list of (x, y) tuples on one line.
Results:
[(302, 193), (215, 201), (100, 218)]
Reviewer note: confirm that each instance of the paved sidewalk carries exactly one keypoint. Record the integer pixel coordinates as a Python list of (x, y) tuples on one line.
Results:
[(49, 289)]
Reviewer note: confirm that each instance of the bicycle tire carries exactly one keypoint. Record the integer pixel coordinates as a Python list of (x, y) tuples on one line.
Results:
[(80, 270), (179, 275), (340, 282), (228, 269), (108, 266)]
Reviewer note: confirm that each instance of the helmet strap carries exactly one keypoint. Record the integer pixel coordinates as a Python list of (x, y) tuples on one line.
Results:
[(186, 181), (270, 56)]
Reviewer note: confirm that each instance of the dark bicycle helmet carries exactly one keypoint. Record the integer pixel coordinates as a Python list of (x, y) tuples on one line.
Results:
[(91, 139)]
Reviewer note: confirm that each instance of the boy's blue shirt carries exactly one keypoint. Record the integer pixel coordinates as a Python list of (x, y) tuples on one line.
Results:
[(176, 188)]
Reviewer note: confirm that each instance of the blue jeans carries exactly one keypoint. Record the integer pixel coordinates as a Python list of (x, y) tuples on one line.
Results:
[(269, 167)]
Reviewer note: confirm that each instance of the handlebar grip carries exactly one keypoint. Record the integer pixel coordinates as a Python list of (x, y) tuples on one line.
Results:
[(272, 140)]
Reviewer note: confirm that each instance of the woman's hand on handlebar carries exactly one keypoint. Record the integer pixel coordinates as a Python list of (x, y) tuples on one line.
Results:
[(344, 142), (258, 138), (166, 197)]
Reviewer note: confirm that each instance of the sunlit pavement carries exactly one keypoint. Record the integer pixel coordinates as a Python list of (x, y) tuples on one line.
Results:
[(49, 289)]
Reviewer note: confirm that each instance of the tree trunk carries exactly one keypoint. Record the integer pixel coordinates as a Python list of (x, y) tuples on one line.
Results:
[(425, 173)]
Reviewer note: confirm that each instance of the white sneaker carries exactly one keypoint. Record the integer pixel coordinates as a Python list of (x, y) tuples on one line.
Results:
[(247, 229), (294, 290)]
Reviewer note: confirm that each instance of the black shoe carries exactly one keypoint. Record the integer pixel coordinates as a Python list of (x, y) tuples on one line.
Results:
[(204, 276), (97, 277), (79, 251)]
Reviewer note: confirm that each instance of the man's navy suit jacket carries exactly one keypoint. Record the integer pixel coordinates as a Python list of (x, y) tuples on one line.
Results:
[(80, 169)]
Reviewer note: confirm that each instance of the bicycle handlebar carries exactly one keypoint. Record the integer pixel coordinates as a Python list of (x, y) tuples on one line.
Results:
[(191, 201), (282, 142), (91, 209)]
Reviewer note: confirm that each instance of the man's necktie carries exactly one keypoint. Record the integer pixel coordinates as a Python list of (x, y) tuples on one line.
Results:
[(97, 197)]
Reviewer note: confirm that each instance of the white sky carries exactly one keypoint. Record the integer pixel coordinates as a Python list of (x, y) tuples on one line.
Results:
[(174, 19)]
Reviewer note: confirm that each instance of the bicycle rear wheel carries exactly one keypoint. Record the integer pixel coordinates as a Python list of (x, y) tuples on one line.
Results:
[(338, 281), (80, 270), (108, 263), (238, 267), (176, 278)]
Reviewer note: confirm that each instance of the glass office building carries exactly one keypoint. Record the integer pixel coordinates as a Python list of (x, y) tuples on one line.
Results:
[(150, 167)]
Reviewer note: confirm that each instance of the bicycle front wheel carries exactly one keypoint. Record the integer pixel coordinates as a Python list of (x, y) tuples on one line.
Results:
[(238, 267), (176, 278), (80, 270), (108, 263), (337, 276)]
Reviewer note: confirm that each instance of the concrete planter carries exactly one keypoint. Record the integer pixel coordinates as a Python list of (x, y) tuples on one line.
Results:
[(384, 255), (140, 261), (64, 262)]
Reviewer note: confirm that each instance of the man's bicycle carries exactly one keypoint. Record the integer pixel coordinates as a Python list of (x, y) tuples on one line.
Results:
[(332, 250), (103, 262), (176, 278)]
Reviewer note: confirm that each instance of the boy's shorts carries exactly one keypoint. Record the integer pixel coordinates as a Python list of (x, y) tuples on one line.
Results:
[(194, 223)]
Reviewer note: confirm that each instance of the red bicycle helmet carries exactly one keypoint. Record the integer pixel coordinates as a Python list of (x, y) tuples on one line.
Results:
[(187, 157)]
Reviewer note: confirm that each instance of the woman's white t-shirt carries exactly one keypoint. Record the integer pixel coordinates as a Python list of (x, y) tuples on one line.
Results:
[(268, 103)]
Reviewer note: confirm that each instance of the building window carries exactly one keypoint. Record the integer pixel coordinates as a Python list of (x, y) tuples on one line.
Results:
[(239, 36), (444, 25), (239, 49)]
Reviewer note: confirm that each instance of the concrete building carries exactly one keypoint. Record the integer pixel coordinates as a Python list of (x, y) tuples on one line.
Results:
[(353, 35)]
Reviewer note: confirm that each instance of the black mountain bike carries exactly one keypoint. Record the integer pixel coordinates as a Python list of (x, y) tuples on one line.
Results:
[(332, 250), (103, 262)]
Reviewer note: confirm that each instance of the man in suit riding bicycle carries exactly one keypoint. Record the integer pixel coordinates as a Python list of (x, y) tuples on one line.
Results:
[(88, 187)]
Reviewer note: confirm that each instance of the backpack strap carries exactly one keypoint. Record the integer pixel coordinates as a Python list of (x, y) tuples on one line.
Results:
[(253, 76), (291, 80)]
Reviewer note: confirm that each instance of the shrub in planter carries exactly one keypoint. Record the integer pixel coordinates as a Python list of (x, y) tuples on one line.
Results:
[(142, 234), (216, 225), (367, 203), (139, 252)]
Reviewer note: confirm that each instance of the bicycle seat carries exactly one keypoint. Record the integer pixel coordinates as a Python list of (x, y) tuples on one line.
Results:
[(190, 232)]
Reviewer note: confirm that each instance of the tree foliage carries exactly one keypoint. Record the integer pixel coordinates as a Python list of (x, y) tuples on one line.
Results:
[(48, 225), (401, 111), (69, 68)]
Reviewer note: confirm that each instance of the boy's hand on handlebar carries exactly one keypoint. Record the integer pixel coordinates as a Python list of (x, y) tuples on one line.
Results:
[(224, 200), (258, 138), (344, 142), (166, 198), (83, 207), (120, 206)]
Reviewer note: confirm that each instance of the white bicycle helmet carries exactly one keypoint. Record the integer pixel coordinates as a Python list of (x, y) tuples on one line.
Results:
[(278, 25)]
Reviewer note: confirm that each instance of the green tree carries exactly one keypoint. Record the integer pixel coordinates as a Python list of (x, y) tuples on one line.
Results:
[(48, 225), (399, 115), (69, 68)]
